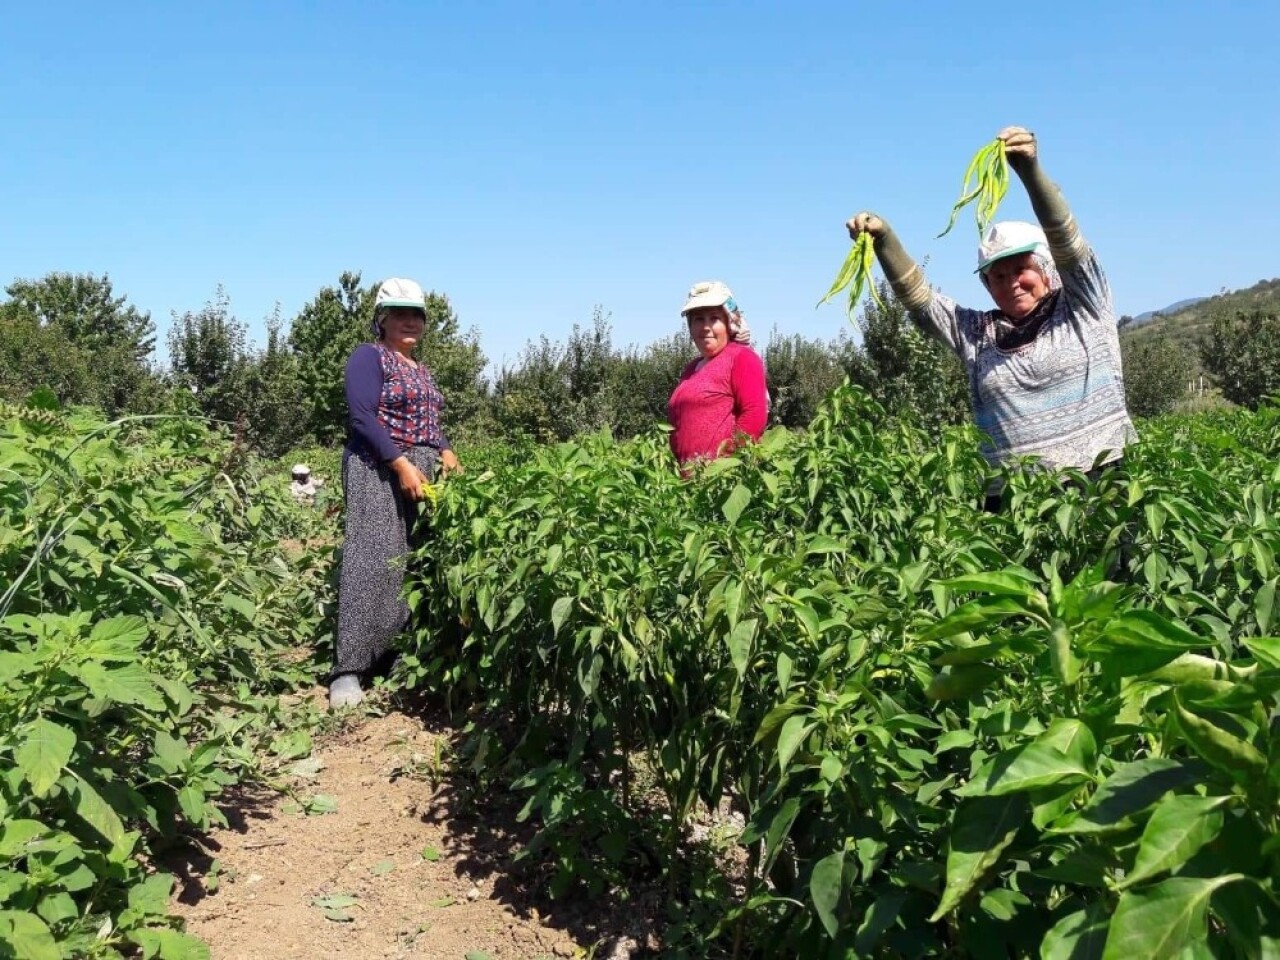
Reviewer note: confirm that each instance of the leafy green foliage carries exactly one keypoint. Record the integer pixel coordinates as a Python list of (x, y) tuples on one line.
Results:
[(1156, 374), (1047, 731), (1242, 352), (142, 593)]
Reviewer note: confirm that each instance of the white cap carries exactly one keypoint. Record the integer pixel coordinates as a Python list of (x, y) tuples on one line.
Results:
[(300, 468), (1009, 238), (398, 292), (709, 293)]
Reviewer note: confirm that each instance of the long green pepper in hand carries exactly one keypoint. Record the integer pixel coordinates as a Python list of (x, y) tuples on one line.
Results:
[(855, 273), (989, 173)]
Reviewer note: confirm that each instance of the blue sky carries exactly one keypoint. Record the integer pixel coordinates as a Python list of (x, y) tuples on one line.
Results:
[(533, 160)]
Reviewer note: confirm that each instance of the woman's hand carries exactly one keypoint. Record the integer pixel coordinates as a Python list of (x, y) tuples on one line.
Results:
[(866, 222), (449, 463), (1019, 145), (412, 480)]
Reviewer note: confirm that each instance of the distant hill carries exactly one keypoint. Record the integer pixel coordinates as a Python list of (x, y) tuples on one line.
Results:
[(1188, 320), (1150, 315)]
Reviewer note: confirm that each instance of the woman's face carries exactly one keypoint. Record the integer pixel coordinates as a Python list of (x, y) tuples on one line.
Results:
[(709, 330), (1016, 285), (402, 328)]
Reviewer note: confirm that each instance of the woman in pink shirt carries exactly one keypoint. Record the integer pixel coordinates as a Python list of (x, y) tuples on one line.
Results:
[(722, 395)]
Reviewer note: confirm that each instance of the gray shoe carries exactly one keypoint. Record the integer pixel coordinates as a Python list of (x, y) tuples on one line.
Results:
[(345, 692)]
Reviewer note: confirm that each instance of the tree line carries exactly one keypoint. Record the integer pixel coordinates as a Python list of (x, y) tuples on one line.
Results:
[(73, 335)]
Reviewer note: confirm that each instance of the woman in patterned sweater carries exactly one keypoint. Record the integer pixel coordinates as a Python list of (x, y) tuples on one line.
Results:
[(721, 396), (1044, 369), (393, 445)]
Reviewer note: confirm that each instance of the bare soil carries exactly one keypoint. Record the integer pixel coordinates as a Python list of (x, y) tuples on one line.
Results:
[(271, 869)]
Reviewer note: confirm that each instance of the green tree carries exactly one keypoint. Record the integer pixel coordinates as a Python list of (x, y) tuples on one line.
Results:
[(1242, 352), (556, 391), (276, 399), (457, 363), (322, 335), (802, 372), (1156, 373), (34, 356), (641, 381), (209, 355), (116, 341), (907, 372)]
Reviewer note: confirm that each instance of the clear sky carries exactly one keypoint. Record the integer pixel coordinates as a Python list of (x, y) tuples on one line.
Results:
[(532, 160)]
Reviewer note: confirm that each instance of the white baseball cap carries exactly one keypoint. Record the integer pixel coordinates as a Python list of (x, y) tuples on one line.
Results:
[(398, 292), (708, 293), (1009, 238), (301, 469)]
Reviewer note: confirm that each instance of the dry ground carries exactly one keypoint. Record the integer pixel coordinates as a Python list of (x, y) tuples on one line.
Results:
[(276, 863)]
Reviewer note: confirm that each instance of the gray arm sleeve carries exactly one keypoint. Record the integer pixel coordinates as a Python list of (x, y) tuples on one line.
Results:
[(1065, 242), (903, 273)]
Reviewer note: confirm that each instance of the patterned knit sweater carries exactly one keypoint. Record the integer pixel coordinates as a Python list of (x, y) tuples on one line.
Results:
[(1059, 397)]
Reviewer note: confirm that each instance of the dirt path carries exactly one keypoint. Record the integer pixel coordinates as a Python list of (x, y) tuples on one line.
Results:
[(277, 863)]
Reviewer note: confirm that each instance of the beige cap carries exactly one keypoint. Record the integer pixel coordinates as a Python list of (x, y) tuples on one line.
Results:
[(1008, 238), (398, 292), (709, 293)]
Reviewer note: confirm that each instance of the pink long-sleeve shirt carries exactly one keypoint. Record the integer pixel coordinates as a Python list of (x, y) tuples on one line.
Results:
[(713, 403)]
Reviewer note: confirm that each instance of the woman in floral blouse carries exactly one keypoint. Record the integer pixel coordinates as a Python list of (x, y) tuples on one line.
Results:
[(394, 443)]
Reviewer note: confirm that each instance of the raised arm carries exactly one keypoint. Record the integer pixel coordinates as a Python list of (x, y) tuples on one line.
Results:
[(1065, 242), (936, 315), (904, 274)]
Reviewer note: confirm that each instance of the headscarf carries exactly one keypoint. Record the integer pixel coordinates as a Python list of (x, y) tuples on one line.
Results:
[(739, 332)]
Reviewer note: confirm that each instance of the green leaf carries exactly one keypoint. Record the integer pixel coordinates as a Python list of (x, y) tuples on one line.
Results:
[(241, 605), (824, 889), (882, 913), (1160, 921), (430, 853), (779, 828), (321, 804), (97, 813), (169, 944), (956, 683), (28, 936), (119, 632), (1178, 828), (1077, 936), (981, 830), (44, 749), (793, 733), (16, 834), (382, 868), (1266, 650), (476, 955), (1128, 791), (973, 615), (559, 610), (954, 740), (1264, 606), (1240, 760), (1002, 584), (736, 503), (56, 908), (1033, 766), (293, 745), (191, 800), (171, 753), (824, 544), (1074, 739), (334, 907), (740, 643), (151, 896), (130, 683)]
